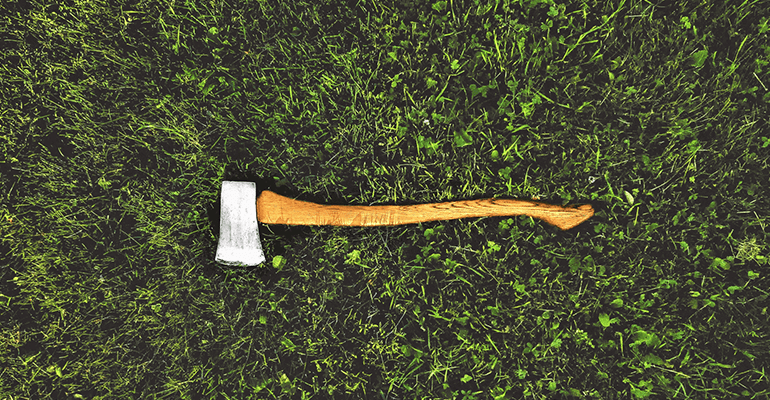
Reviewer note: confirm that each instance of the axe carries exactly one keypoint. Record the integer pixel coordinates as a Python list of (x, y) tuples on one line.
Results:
[(241, 209)]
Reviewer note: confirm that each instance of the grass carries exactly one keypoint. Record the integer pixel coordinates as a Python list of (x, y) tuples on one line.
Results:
[(120, 119)]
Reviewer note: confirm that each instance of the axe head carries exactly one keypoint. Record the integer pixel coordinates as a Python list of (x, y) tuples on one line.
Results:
[(238, 229)]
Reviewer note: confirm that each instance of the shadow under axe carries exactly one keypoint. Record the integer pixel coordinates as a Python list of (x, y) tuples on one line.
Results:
[(239, 242)]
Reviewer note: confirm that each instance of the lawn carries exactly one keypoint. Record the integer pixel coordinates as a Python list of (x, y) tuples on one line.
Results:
[(120, 119)]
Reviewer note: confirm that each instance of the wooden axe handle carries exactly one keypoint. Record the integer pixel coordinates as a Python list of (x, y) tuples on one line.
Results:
[(273, 208)]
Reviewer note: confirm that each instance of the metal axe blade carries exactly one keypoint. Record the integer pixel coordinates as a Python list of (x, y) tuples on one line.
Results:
[(238, 229)]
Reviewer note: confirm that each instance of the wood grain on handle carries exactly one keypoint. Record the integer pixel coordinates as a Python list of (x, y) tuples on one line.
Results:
[(273, 208)]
